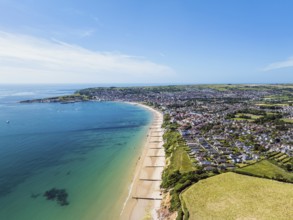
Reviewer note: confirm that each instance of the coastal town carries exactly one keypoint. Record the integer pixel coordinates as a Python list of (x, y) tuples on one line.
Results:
[(222, 125), (211, 130)]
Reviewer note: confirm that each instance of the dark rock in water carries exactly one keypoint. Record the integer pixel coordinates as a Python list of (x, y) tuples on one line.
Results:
[(62, 197), (51, 194), (57, 194)]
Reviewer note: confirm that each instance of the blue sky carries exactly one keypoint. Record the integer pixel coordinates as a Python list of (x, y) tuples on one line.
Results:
[(146, 41)]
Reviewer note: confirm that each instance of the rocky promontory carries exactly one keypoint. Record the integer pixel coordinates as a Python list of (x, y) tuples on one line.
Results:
[(60, 99)]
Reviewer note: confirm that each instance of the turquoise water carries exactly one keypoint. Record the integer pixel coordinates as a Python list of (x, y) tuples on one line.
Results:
[(89, 149)]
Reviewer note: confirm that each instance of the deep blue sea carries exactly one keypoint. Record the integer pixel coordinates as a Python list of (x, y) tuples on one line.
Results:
[(89, 149)]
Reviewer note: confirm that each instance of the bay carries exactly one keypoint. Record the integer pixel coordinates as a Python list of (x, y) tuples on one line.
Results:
[(89, 149)]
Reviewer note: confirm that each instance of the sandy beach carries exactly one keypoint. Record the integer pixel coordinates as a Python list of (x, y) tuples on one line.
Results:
[(144, 196)]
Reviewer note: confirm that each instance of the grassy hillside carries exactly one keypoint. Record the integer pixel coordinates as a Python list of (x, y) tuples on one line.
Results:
[(180, 171), (265, 168), (181, 161), (235, 196), (176, 152)]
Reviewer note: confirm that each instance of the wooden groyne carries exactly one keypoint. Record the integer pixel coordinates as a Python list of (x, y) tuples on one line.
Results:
[(146, 198), (150, 179), (155, 166)]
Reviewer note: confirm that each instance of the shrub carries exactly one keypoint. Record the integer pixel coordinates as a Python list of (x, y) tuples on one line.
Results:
[(179, 214)]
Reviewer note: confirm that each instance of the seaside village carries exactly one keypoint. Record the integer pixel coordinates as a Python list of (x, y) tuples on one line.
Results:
[(224, 128)]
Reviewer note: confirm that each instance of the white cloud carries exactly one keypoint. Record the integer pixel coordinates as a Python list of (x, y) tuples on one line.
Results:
[(279, 65), (32, 60), (86, 33)]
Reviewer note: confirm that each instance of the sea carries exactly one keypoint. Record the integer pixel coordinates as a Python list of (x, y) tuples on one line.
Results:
[(89, 149)]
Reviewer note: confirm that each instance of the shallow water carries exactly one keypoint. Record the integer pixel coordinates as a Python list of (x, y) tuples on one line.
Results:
[(89, 149)]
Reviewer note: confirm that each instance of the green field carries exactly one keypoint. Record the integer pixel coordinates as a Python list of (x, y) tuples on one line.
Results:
[(288, 120), (287, 97), (249, 115), (176, 152), (272, 104), (235, 196), (266, 168), (181, 161), (239, 117)]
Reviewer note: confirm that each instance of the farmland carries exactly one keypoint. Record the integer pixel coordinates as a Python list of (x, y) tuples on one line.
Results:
[(235, 196)]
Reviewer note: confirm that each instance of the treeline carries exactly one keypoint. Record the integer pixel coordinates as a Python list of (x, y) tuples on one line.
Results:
[(221, 99), (252, 111), (272, 107), (246, 111), (286, 163), (168, 125), (244, 116), (269, 118), (176, 182), (207, 127), (274, 119), (278, 177)]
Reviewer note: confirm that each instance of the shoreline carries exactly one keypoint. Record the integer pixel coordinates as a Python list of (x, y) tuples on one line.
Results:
[(144, 196)]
